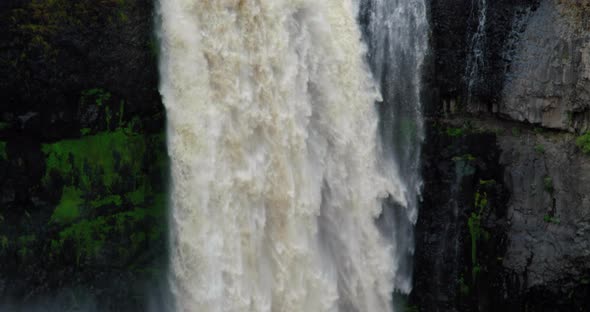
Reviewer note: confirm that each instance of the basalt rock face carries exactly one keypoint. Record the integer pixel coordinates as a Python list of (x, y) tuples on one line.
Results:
[(504, 221), (454, 26), (83, 164), (525, 248), (549, 78), (522, 60)]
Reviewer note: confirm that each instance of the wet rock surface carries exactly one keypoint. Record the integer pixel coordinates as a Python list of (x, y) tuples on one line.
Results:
[(83, 163), (525, 248), (549, 78), (529, 108)]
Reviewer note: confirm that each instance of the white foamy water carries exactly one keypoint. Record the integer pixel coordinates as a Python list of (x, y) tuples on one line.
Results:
[(277, 174)]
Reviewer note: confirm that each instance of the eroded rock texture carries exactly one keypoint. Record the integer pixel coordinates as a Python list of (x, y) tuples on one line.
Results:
[(526, 247), (549, 78)]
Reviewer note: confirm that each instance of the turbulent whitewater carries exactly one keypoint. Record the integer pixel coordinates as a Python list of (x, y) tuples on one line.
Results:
[(278, 174)]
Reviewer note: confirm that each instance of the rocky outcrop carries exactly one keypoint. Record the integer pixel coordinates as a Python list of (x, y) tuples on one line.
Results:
[(83, 163), (532, 60), (548, 252), (549, 78), (504, 222), (454, 25), (525, 247)]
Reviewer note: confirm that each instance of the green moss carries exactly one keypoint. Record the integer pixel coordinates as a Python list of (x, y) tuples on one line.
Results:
[(108, 200), (97, 96), (516, 132), (487, 182), (474, 224), (551, 219), (548, 184), (88, 237), (583, 143), (85, 131), (4, 125), (3, 155), (24, 246), (475, 229), (136, 197), (121, 207), (102, 159), (68, 208), (455, 132), (539, 148)]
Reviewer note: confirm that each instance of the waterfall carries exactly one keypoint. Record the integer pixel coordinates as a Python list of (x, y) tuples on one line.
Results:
[(477, 43), (279, 175), (397, 34)]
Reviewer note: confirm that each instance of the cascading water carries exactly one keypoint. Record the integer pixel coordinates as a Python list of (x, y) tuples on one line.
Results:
[(397, 35), (278, 173), (477, 45)]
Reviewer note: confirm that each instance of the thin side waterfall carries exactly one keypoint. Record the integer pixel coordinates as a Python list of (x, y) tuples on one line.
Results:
[(477, 45), (397, 35), (279, 175)]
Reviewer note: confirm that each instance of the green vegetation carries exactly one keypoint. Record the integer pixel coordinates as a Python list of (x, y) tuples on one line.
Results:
[(97, 96), (455, 132), (36, 25), (551, 219), (583, 142), (475, 230), (25, 246), (103, 159), (548, 184), (112, 201), (516, 131), (68, 208), (105, 201), (539, 148), (90, 237), (487, 182), (85, 131)]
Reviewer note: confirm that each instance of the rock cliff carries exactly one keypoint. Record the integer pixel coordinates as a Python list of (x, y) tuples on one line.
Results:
[(504, 220), (83, 163)]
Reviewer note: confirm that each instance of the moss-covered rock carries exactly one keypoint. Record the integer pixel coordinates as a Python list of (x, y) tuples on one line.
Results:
[(83, 163)]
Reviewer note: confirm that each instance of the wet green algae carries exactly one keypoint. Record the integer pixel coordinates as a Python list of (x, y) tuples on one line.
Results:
[(112, 200)]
